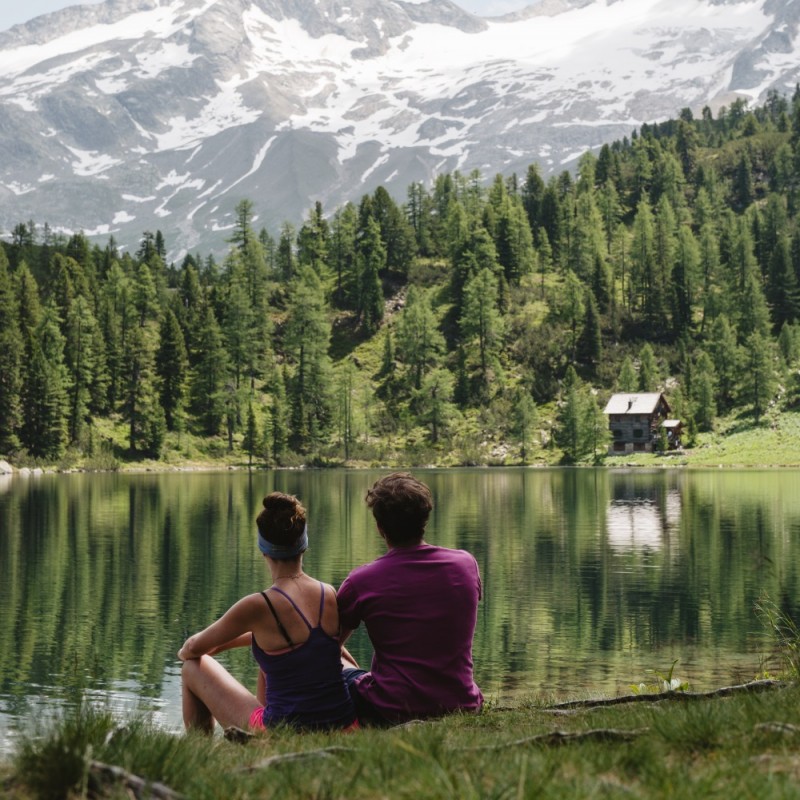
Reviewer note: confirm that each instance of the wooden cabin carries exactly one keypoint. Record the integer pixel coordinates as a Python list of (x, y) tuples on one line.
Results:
[(635, 421)]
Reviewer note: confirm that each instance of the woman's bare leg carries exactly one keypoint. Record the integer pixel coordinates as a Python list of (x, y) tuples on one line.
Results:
[(211, 693)]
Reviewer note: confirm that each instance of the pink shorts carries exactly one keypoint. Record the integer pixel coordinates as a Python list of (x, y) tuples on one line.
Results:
[(256, 722)]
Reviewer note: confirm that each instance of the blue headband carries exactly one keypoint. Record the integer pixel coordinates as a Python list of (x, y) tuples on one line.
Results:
[(283, 551)]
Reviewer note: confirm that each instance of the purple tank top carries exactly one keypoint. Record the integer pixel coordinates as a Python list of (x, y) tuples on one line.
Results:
[(305, 688)]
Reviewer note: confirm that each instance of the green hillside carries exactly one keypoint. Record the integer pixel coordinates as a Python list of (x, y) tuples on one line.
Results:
[(479, 322)]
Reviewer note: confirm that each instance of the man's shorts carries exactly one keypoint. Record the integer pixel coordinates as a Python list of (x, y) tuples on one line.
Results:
[(366, 712)]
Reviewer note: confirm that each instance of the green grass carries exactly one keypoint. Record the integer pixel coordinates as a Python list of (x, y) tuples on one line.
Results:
[(739, 747), (737, 441)]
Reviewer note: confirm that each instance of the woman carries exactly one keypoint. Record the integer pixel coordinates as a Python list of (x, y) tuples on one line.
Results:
[(293, 629)]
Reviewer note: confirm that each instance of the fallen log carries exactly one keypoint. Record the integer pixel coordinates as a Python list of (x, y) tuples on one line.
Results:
[(555, 738), (282, 758), (139, 787), (725, 691)]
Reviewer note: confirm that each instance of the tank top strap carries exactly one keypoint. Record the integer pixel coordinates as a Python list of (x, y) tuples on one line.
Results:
[(321, 603), (294, 606)]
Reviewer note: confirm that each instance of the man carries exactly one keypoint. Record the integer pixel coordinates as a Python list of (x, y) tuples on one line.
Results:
[(419, 604)]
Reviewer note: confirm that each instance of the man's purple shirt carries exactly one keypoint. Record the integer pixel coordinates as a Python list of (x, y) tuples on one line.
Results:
[(419, 605)]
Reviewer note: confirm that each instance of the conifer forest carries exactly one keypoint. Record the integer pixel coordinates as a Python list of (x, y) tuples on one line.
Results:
[(479, 321)]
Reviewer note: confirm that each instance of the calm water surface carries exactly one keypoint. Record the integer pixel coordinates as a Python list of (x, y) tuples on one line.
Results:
[(592, 578)]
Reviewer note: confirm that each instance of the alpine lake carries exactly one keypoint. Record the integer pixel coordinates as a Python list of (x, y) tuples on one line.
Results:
[(594, 580)]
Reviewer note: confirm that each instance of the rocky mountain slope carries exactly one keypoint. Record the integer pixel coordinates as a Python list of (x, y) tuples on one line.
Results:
[(137, 115)]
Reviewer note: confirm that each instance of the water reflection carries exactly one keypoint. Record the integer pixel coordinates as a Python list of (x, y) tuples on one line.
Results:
[(642, 523), (591, 577)]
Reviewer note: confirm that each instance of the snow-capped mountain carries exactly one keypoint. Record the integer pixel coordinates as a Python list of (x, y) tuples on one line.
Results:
[(138, 115)]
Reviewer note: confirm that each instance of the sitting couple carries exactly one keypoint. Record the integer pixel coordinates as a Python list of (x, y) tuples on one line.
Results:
[(418, 603)]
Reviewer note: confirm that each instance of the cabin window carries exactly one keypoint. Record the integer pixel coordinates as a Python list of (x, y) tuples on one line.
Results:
[(617, 433)]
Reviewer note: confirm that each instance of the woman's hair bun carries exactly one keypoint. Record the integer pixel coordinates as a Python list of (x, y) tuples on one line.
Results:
[(283, 519)]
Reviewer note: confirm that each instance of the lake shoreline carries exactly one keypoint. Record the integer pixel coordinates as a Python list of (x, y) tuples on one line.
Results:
[(735, 444)]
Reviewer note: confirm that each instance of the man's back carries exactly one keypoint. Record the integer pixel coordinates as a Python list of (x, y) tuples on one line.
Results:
[(419, 604)]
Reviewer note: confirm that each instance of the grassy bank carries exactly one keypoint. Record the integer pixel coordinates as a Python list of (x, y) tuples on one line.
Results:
[(664, 746)]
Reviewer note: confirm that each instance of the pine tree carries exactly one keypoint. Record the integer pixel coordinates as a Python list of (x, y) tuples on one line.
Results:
[(397, 235), (11, 353), (685, 270), (84, 364), (44, 391), (752, 313), (419, 210), (307, 341), (243, 231), (628, 379), (590, 342), (783, 291), (524, 423), (420, 344), (472, 253), (145, 417), (346, 378), (29, 307), (117, 318), (208, 376), (481, 328), (343, 256), (648, 369), (759, 375), (709, 269), (313, 241), (434, 403), (743, 193), (237, 321), (279, 414), (513, 240), (172, 369), (642, 283), (725, 355), (570, 431), (704, 392), (285, 258), (252, 435), (371, 259)]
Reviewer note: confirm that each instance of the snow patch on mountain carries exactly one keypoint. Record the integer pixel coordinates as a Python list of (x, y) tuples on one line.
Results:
[(173, 110)]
